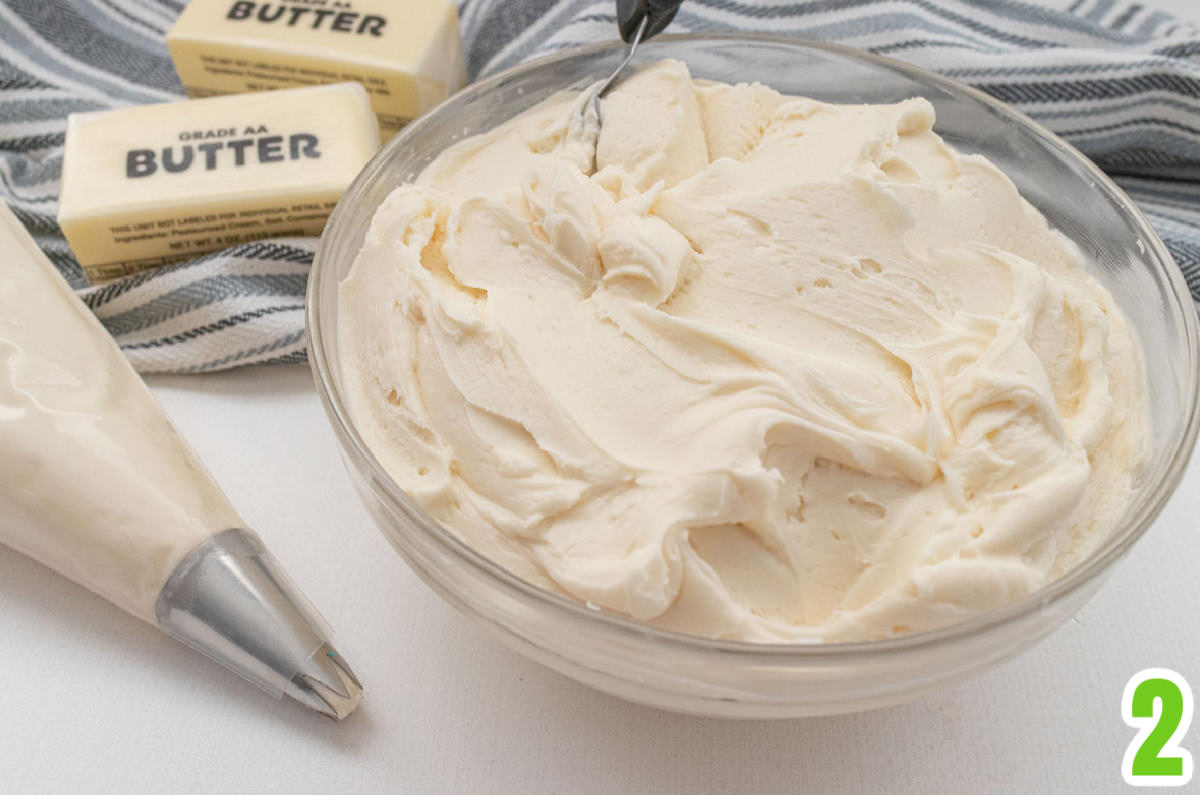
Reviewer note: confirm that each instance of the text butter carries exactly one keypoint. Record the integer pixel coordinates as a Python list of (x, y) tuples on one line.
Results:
[(150, 184), (406, 54)]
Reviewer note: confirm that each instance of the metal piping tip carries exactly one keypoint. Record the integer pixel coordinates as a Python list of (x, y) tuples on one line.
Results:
[(231, 600), (327, 686)]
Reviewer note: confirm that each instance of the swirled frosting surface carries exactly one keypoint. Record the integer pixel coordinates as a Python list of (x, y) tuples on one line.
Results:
[(779, 370)]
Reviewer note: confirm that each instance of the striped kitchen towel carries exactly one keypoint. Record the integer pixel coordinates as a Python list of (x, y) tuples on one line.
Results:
[(1120, 80)]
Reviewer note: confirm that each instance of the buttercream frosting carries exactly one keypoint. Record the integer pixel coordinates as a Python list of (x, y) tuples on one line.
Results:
[(778, 370)]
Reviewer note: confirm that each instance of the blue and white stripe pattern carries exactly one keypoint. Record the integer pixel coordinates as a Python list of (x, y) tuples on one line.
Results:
[(1118, 79)]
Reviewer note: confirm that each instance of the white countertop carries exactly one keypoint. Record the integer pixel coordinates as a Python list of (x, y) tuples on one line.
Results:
[(95, 700)]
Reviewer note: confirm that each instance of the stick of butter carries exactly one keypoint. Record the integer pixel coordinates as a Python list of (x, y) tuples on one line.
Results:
[(149, 184), (406, 54)]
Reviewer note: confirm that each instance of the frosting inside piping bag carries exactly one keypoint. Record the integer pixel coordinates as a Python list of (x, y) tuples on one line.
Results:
[(97, 483)]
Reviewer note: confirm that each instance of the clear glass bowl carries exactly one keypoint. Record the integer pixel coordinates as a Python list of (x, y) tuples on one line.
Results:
[(713, 677)]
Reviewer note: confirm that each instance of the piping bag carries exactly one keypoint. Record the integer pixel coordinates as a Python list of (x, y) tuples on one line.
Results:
[(98, 485)]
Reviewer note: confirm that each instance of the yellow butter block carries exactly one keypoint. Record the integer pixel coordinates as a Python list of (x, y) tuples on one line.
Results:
[(149, 184), (406, 54)]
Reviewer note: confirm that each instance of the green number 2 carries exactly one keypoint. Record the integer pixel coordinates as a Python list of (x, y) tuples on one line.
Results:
[(1157, 702)]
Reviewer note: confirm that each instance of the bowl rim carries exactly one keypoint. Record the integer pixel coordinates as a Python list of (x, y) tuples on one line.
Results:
[(1093, 567)]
